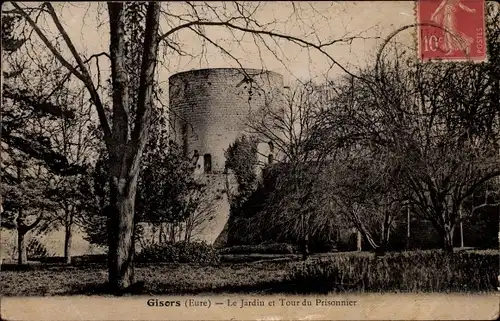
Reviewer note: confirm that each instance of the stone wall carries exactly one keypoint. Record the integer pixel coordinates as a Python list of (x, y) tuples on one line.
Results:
[(210, 108)]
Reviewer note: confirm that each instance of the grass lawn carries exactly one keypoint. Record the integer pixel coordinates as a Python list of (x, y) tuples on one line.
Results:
[(158, 278), (419, 271)]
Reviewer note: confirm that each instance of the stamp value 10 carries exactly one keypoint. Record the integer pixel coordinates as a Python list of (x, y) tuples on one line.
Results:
[(451, 30)]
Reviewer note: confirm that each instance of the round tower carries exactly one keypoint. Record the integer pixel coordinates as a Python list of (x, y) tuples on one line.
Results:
[(210, 107)]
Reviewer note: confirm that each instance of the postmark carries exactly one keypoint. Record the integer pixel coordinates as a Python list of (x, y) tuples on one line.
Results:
[(452, 30)]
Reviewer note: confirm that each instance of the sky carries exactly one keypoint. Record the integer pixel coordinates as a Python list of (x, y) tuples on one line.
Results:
[(368, 21)]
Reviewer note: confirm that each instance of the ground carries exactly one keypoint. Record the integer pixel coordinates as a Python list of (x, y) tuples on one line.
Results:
[(265, 274), (158, 278)]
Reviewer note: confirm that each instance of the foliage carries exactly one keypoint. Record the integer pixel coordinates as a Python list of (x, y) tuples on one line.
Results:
[(29, 196), (36, 249), (180, 252), (10, 42), (94, 190), (270, 208), (30, 105), (43, 128), (268, 248), (168, 193), (241, 159), (273, 211), (293, 205), (167, 186), (418, 271), (95, 230)]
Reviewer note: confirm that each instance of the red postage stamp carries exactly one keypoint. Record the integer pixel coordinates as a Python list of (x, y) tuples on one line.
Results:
[(451, 30)]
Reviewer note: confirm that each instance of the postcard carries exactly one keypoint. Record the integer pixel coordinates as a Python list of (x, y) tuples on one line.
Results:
[(288, 160)]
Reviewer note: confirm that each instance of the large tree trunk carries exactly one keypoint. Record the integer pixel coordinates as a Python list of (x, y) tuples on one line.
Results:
[(125, 147), (305, 237), (22, 255), (189, 231), (305, 246), (121, 235), (68, 237)]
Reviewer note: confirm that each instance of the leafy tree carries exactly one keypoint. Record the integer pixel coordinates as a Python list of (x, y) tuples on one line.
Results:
[(169, 197), (76, 140), (25, 203), (94, 190), (30, 155), (241, 161)]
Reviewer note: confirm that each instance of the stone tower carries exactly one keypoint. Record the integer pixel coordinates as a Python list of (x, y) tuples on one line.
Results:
[(209, 111)]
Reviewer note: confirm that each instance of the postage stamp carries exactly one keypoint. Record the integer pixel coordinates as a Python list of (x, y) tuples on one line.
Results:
[(451, 30)]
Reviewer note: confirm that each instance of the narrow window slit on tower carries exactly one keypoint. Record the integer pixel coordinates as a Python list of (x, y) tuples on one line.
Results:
[(207, 163), (271, 147)]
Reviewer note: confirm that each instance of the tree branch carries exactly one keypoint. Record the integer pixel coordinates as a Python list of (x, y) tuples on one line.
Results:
[(478, 183), (35, 223), (146, 85), (47, 43), (85, 78), (119, 75), (301, 42)]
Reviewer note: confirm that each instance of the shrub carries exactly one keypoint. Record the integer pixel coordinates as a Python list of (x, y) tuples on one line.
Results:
[(180, 252), (197, 252), (270, 248), (89, 259), (419, 271), (36, 249)]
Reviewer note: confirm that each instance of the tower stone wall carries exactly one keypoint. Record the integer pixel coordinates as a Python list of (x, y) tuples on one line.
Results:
[(209, 111), (210, 107)]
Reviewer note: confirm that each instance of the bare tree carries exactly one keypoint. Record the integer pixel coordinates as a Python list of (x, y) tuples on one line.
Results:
[(202, 212), (364, 189), (291, 132), (434, 123)]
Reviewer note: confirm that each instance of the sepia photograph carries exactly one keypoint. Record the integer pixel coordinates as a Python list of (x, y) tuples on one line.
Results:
[(237, 160)]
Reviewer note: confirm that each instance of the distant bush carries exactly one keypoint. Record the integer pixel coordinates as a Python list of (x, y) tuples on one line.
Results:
[(180, 252), (36, 249), (418, 271), (89, 259), (271, 248)]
